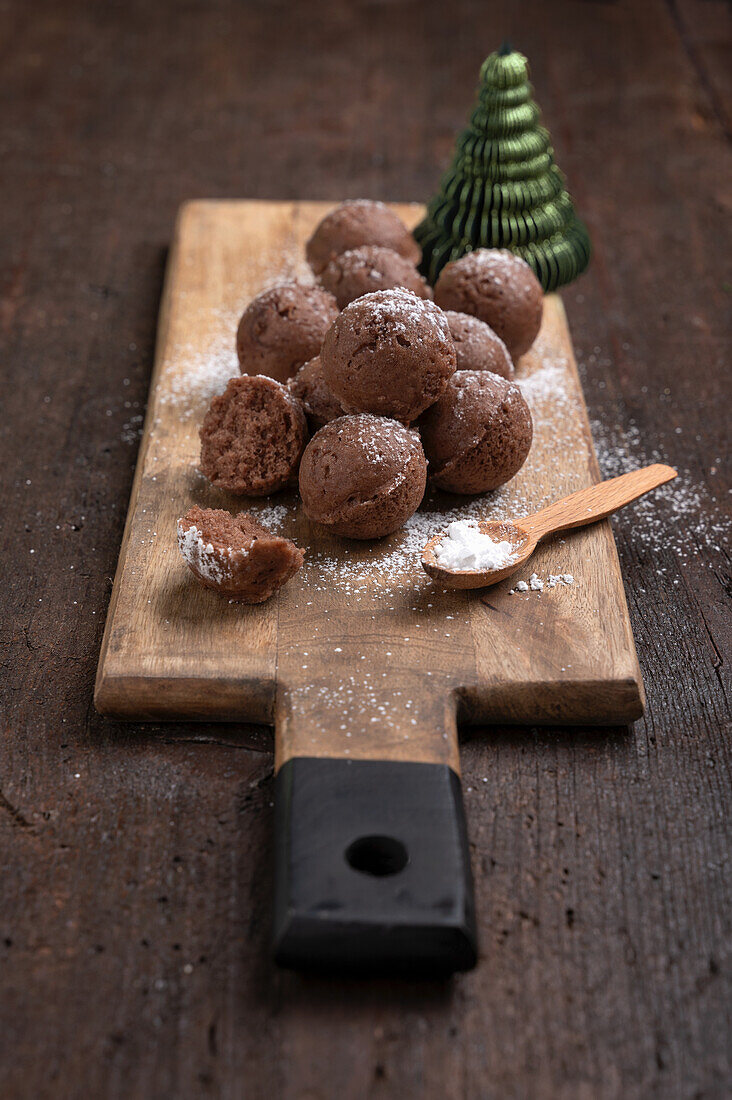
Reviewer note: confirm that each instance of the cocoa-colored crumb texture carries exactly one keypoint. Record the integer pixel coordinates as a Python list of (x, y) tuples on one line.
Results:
[(389, 353), (236, 556), (309, 386), (282, 328), (371, 267), (478, 435), (477, 346), (252, 437), (363, 476), (499, 288), (355, 223)]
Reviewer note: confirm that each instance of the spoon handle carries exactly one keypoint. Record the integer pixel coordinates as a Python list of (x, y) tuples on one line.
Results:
[(589, 505)]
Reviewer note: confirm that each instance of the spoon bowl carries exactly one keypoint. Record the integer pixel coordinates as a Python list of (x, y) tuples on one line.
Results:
[(576, 510), (522, 542)]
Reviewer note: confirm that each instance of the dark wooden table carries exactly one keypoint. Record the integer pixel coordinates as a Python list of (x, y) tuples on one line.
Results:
[(136, 874)]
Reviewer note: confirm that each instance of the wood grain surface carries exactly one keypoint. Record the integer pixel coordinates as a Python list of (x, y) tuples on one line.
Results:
[(360, 655), (135, 861)]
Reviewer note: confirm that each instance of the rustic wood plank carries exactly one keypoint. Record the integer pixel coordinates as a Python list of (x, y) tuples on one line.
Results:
[(600, 855), (368, 653)]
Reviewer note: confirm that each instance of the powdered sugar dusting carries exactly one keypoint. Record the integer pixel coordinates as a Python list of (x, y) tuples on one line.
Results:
[(200, 555), (684, 517), (404, 312), (543, 383), (194, 373), (272, 516), (393, 564), (680, 516), (381, 440), (490, 259)]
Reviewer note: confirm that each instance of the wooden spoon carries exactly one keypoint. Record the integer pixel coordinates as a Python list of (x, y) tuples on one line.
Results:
[(577, 510)]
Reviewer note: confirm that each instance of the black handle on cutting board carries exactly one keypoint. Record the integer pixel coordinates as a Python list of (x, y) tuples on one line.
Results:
[(372, 868)]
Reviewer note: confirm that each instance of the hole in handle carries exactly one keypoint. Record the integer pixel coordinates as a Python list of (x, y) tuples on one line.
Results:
[(377, 855)]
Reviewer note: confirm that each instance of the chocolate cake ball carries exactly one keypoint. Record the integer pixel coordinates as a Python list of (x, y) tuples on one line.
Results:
[(499, 288), (371, 267), (252, 437), (477, 346), (282, 328), (388, 353), (477, 436), (236, 555), (363, 476), (357, 222), (320, 405)]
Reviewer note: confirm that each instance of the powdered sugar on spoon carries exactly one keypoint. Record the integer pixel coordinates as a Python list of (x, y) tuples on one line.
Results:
[(477, 554)]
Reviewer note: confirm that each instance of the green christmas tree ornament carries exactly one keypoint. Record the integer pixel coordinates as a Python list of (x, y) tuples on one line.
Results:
[(503, 189)]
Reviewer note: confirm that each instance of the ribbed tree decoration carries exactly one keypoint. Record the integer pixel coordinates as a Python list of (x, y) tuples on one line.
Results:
[(503, 189)]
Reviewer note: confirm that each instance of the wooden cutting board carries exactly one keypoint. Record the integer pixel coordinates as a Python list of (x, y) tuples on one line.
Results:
[(360, 658)]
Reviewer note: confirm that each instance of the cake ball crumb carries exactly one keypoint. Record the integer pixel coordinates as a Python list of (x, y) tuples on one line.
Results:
[(477, 346), (389, 353), (478, 434), (499, 288), (282, 328), (309, 386), (354, 223), (363, 476), (362, 270), (236, 556), (252, 437)]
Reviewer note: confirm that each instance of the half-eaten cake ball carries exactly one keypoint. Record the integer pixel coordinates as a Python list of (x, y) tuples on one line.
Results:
[(477, 346), (477, 436), (321, 406), (499, 288), (357, 222), (363, 476), (389, 353), (371, 267), (236, 555), (252, 437), (282, 328)]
